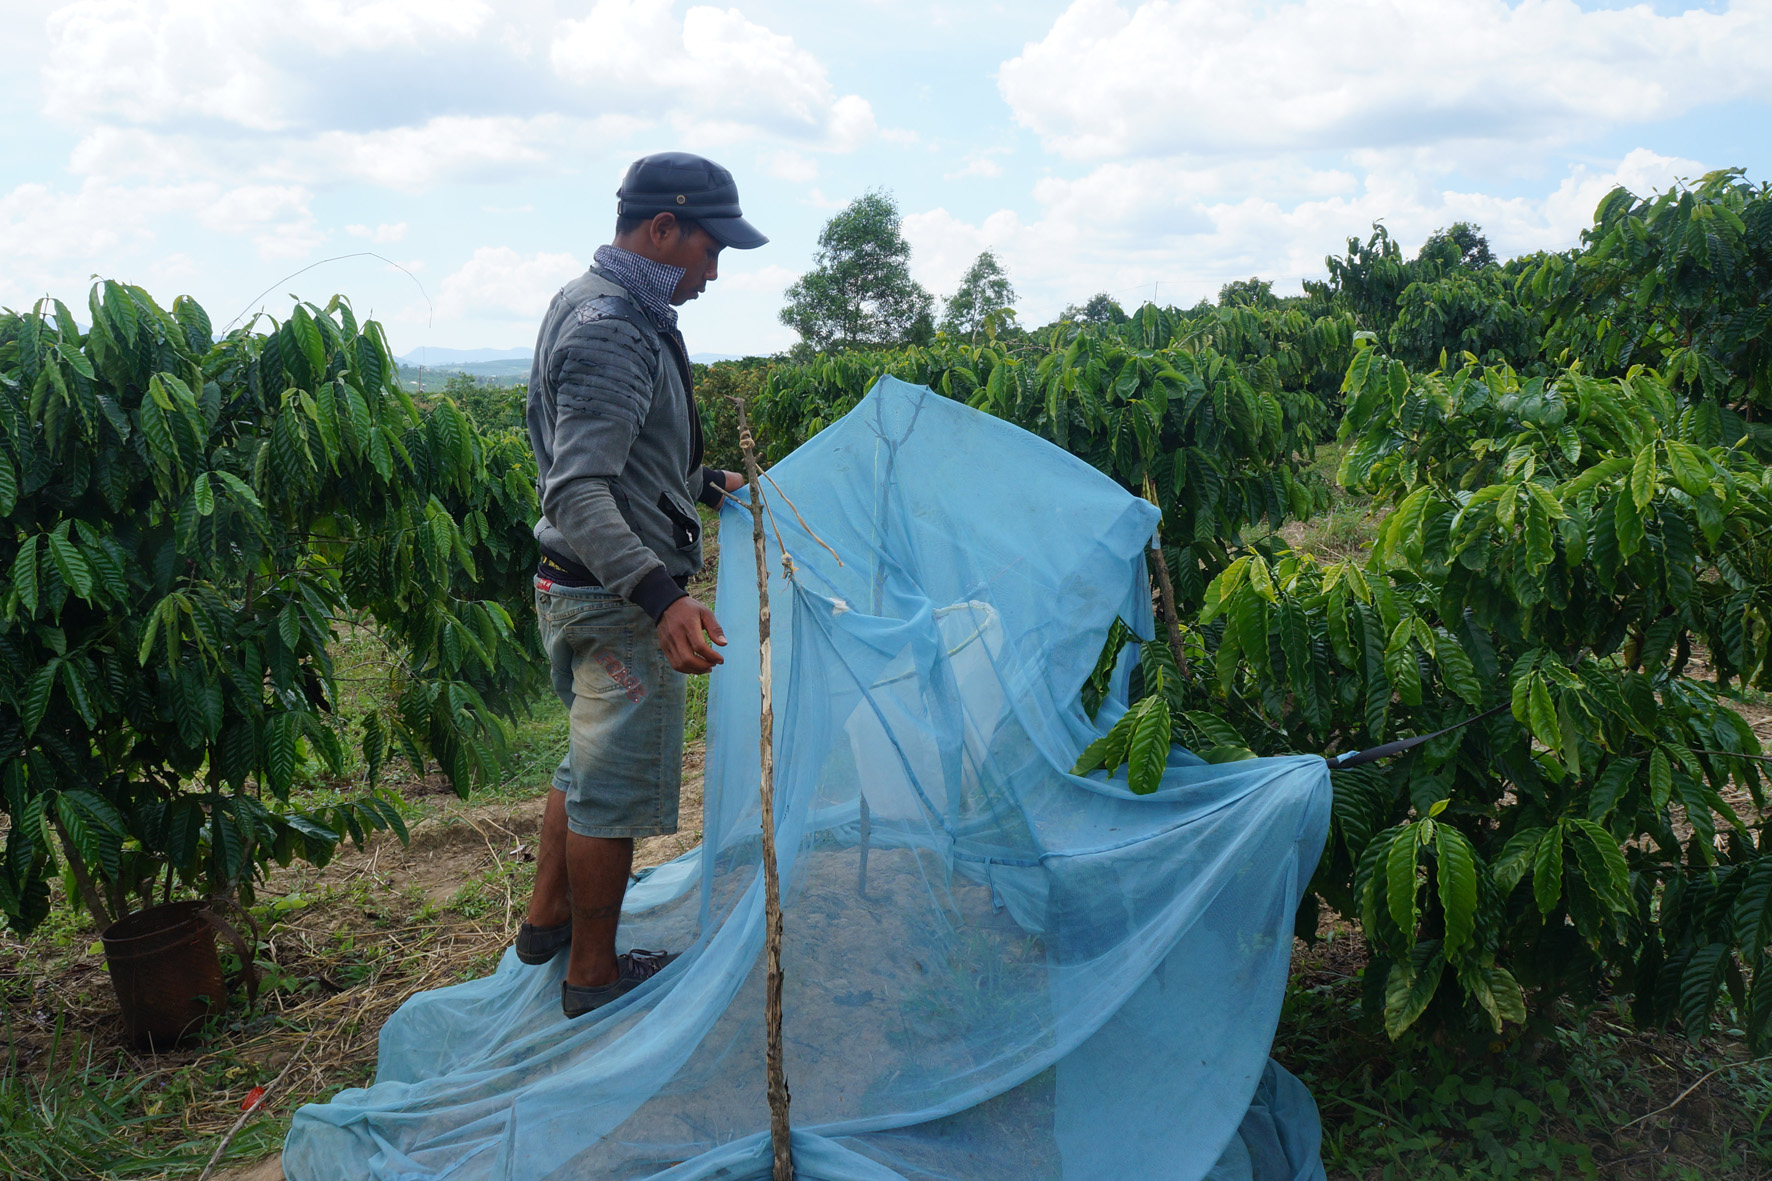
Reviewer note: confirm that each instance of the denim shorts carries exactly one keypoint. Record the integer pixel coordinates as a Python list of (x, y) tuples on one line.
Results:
[(624, 762)]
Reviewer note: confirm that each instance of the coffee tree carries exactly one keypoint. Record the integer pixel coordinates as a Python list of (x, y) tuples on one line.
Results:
[(191, 525), (1556, 548), (1217, 441), (1679, 280)]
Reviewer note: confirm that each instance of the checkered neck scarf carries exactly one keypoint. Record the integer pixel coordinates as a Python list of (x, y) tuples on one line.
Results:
[(650, 283)]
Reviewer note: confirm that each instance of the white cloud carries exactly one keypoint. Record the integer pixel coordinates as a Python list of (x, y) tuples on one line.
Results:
[(412, 159), (275, 217), (943, 246), (381, 233), (715, 73), (498, 283), (1202, 77), (101, 221), (409, 94), (226, 61), (770, 280), (791, 166), (979, 163), (818, 200), (1125, 228)]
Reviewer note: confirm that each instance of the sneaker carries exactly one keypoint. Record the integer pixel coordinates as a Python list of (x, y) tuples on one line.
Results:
[(538, 945), (637, 967)]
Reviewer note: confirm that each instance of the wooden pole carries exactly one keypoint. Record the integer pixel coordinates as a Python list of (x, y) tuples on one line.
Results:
[(1166, 589), (778, 1082)]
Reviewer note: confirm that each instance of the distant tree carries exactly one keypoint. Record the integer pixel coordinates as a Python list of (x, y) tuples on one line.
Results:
[(984, 289), (860, 290), (1251, 292), (1101, 309), (488, 404), (1460, 244)]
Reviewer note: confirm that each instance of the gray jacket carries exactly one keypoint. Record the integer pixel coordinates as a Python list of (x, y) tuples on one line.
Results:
[(617, 444)]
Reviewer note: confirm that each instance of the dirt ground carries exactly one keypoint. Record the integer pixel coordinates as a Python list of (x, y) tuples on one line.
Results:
[(376, 925)]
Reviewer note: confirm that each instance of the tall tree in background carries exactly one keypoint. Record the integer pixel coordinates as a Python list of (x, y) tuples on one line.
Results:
[(1100, 309), (1251, 292), (984, 289), (860, 290), (1460, 244)]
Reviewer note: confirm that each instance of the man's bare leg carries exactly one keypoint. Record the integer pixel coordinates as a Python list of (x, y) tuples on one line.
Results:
[(598, 869), (550, 903)]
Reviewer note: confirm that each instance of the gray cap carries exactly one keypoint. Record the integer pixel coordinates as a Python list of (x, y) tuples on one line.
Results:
[(690, 186)]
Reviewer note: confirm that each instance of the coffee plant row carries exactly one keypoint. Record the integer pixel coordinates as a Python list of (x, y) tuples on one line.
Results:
[(1569, 453)]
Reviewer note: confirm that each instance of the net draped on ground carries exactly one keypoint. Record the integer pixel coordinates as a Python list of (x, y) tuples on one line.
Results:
[(994, 969)]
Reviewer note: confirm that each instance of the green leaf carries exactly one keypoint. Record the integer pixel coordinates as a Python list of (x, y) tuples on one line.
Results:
[(391, 813), (289, 625), (1456, 669), (1109, 750), (281, 755), (1497, 992), (307, 335), (83, 836), (37, 694), (1457, 885), (1399, 877), (239, 487), (1405, 673), (1520, 682), (1260, 580), (201, 496), (1540, 547), (156, 429), (1602, 863), (75, 687), (1216, 730), (24, 573), (1542, 712), (1690, 469), (1661, 779), (1547, 870), (1410, 986), (1643, 481), (1148, 750), (227, 845), (1699, 986), (1627, 525), (1610, 786), (68, 561), (1752, 916)]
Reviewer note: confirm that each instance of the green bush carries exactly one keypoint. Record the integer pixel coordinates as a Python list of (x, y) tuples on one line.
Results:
[(1218, 443), (1680, 281), (1557, 547), (188, 524)]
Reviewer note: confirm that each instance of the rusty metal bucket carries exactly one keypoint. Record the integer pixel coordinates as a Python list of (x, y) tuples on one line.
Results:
[(166, 972)]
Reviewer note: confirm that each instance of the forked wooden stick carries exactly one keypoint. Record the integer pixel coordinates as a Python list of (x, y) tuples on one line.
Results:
[(1166, 589), (778, 1082)]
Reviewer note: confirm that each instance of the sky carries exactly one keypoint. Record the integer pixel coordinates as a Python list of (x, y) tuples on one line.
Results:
[(466, 152)]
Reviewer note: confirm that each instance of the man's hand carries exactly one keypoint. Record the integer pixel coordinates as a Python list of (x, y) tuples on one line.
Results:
[(681, 638), (733, 481)]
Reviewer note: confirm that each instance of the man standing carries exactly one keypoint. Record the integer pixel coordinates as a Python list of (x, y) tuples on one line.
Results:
[(618, 448)]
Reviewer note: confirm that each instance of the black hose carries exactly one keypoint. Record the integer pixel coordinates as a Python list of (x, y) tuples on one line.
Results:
[(1361, 758)]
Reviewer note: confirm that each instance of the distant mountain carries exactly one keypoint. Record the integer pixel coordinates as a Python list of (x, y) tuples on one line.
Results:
[(433, 358), (491, 373), (710, 358)]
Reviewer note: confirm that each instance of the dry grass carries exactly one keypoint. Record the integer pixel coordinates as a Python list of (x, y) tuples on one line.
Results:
[(349, 945)]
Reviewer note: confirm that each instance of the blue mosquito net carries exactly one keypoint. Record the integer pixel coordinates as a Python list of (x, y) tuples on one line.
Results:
[(995, 970)]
